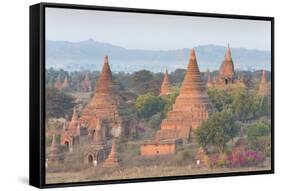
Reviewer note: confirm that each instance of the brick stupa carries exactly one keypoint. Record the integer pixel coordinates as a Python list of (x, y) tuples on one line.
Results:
[(55, 156), (191, 107), (98, 149), (112, 159), (70, 135), (226, 73), (104, 104), (86, 84), (165, 87), (263, 87)]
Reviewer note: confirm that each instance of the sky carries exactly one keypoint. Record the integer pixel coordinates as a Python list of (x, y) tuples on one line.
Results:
[(155, 32)]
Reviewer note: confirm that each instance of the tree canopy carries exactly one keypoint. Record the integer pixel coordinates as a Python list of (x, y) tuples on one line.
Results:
[(217, 131), (58, 104), (148, 105)]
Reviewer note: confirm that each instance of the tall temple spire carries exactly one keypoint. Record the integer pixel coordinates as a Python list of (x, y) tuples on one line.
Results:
[(228, 54), (263, 87), (104, 103), (192, 106), (165, 87)]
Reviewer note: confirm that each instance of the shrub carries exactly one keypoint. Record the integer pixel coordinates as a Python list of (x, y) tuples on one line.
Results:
[(258, 129)]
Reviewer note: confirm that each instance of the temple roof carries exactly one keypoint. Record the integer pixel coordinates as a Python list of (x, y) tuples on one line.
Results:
[(227, 67), (192, 84)]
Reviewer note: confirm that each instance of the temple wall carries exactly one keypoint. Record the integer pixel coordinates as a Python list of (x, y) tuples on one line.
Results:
[(158, 149)]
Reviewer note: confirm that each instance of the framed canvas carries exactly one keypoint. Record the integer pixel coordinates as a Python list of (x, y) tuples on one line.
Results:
[(123, 95)]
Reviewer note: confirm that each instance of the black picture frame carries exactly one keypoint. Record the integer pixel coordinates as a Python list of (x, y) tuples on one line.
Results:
[(37, 93)]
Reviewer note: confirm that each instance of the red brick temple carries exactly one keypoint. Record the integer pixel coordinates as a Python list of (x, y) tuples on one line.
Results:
[(226, 72), (104, 104), (86, 84), (191, 108)]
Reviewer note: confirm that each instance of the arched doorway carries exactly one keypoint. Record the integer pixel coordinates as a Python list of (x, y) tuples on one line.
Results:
[(226, 81), (90, 159), (66, 143)]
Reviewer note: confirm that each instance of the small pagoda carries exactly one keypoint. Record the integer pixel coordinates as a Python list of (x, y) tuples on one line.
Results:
[(264, 89), (112, 159), (98, 149), (87, 84), (165, 87), (226, 73), (70, 135), (55, 156)]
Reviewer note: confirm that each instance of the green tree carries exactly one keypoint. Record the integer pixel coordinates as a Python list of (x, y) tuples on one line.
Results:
[(148, 105), (58, 104), (217, 131), (170, 100), (258, 129), (220, 99), (145, 81), (244, 105), (259, 137)]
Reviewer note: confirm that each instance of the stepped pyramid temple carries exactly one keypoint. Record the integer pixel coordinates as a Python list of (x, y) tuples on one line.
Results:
[(112, 159), (104, 105), (58, 84), (191, 107), (165, 87), (226, 73), (86, 84), (70, 135), (98, 149), (65, 83), (264, 86), (55, 156)]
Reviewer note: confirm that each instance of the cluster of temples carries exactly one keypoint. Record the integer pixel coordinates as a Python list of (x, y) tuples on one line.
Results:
[(102, 121), (192, 106)]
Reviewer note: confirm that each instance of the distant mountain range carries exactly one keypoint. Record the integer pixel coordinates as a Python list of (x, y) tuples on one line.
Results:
[(88, 55)]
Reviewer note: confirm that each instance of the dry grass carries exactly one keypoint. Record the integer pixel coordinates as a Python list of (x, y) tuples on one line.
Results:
[(162, 170)]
